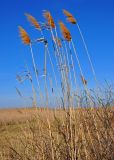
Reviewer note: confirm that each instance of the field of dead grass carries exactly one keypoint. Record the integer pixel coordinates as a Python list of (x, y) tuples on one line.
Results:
[(56, 134)]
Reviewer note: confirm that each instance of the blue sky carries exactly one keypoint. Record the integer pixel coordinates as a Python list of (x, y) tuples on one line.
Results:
[(96, 19)]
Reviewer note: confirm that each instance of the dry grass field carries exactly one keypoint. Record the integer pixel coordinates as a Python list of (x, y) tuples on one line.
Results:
[(30, 134)]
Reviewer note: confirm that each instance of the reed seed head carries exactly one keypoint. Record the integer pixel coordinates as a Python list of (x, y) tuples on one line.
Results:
[(24, 36), (49, 18), (65, 32), (69, 16), (33, 21)]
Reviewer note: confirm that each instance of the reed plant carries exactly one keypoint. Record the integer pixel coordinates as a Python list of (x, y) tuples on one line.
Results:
[(77, 128)]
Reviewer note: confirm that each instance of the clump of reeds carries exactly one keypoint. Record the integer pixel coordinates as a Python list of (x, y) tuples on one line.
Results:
[(66, 134)]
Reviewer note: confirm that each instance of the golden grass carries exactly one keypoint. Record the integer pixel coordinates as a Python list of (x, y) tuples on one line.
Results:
[(24, 36), (20, 115), (47, 134)]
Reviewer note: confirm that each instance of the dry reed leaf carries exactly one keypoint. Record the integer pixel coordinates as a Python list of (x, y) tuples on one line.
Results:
[(69, 16), (65, 31), (24, 36), (84, 81), (33, 21), (49, 18)]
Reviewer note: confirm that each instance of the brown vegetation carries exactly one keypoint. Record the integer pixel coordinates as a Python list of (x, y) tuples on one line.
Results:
[(78, 130), (57, 134)]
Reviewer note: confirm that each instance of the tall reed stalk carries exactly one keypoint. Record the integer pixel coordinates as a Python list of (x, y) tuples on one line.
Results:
[(57, 54), (88, 55), (88, 94), (27, 41), (36, 74)]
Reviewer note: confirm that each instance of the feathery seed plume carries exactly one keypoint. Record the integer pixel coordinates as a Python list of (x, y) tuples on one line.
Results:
[(49, 18), (65, 31), (69, 16), (33, 21), (24, 36)]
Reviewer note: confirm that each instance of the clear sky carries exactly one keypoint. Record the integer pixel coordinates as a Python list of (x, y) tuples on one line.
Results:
[(96, 18)]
